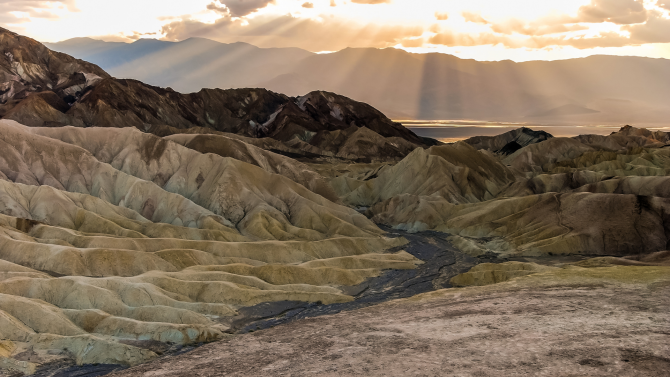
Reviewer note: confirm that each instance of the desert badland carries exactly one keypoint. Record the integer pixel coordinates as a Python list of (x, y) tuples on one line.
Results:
[(270, 234)]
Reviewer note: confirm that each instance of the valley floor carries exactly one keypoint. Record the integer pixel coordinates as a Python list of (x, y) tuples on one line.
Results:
[(592, 329)]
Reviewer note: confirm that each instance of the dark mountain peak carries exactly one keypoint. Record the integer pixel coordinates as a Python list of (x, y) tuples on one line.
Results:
[(321, 110), (134, 103), (628, 130), (536, 134), (27, 66), (509, 142)]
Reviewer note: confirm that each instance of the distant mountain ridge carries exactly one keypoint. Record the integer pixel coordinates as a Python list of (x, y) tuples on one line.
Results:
[(186, 66), (613, 89)]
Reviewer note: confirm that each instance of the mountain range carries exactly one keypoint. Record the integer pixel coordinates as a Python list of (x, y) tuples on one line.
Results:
[(41, 87), (592, 90)]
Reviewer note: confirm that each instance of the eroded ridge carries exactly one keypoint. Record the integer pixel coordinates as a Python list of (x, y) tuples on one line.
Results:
[(138, 238)]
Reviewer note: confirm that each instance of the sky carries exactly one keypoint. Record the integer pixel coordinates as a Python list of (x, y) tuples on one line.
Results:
[(519, 30)]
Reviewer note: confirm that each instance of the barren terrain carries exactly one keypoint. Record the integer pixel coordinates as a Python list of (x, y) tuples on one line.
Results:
[(589, 329), (243, 231)]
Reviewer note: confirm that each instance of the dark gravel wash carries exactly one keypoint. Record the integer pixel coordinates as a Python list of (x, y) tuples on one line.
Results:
[(442, 262)]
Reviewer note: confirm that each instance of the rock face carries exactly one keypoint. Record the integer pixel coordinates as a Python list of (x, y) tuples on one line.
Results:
[(509, 142), (321, 123), (28, 67), (130, 103), (333, 112)]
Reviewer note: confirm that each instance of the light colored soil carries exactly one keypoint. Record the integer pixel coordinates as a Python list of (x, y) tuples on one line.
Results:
[(594, 330)]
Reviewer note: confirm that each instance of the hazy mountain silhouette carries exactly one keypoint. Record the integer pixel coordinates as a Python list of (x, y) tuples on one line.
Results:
[(610, 89), (187, 66)]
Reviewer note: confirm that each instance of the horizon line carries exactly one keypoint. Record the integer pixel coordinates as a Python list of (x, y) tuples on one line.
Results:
[(353, 48)]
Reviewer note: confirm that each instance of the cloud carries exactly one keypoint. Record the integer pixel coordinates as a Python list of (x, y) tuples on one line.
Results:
[(554, 25), (665, 4), (32, 9), (655, 30), (137, 35), (474, 17), (308, 5), (332, 33), (448, 38), (622, 12), (604, 39), (644, 26), (328, 34), (239, 8), (441, 16), (418, 42), (26, 5), (468, 40)]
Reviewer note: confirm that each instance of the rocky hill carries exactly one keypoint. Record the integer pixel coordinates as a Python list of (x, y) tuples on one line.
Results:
[(28, 67), (46, 88)]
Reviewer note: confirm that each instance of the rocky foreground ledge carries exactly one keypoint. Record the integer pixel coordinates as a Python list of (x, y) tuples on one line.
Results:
[(564, 321)]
